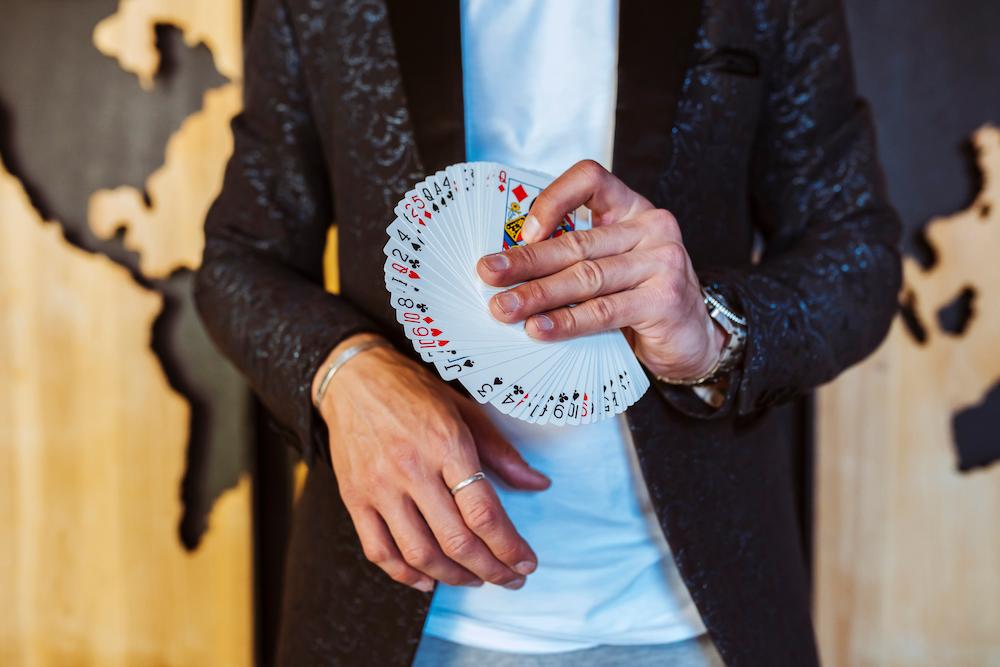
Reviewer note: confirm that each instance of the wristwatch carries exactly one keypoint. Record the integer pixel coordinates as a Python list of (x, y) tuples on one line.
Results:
[(735, 325)]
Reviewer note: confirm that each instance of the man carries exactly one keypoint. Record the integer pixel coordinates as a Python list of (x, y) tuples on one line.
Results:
[(726, 125)]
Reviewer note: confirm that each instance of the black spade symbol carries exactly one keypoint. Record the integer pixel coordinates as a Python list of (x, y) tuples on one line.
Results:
[(497, 380), (576, 395), (469, 363)]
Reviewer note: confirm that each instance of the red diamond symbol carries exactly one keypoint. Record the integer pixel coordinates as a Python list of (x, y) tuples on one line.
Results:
[(520, 193), (500, 187), (428, 320)]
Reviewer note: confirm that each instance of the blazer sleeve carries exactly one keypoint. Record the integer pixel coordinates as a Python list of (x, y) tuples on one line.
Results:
[(260, 287), (824, 293)]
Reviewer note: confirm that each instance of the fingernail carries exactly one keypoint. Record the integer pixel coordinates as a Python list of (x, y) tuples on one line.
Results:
[(424, 585), (475, 583), (514, 585), (543, 322), (508, 301), (498, 261), (532, 229), (541, 476), (525, 567)]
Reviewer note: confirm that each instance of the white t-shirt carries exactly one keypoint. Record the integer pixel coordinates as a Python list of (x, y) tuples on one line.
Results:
[(540, 83)]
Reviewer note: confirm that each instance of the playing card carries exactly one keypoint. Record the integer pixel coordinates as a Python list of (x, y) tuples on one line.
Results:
[(441, 229)]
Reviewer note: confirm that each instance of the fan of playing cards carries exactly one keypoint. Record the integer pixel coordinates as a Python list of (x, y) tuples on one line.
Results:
[(442, 227)]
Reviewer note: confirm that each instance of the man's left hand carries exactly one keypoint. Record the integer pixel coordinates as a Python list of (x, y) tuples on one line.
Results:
[(631, 271)]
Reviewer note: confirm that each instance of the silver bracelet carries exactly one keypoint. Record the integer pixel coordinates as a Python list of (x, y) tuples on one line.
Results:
[(339, 362)]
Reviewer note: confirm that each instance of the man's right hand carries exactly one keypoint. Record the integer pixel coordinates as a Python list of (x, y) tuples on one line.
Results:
[(399, 440)]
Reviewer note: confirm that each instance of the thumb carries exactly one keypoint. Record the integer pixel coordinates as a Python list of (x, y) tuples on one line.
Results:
[(500, 455)]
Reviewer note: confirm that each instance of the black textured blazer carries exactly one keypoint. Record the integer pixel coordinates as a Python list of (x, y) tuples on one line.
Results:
[(739, 116)]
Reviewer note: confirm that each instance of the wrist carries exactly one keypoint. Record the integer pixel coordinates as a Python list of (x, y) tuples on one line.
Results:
[(726, 336), (345, 353)]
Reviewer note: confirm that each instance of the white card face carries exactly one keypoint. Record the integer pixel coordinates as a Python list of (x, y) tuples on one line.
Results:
[(443, 225)]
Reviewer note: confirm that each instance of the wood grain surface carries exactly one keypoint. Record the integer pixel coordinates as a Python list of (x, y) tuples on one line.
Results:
[(908, 548), (93, 439), (92, 450)]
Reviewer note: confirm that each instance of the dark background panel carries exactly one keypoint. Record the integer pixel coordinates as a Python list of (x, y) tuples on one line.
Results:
[(931, 70)]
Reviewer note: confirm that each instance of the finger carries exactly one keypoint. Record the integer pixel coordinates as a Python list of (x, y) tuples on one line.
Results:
[(498, 454), (380, 549), (584, 184), (603, 313), (418, 546), (579, 282), (461, 544), (552, 255)]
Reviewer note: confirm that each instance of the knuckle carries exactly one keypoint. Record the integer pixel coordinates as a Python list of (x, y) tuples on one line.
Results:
[(672, 257), (664, 220), (671, 293), (590, 169), (523, 258), (373, 478), (380, 554), (402, 574), (565, 320), (446, 429), (350, 495), (580, 244), (483, 517), (454, 579), (603, 310), (591, 276), (459, 545), (407, 462), (534, 292), (659, 227), (419, 556)]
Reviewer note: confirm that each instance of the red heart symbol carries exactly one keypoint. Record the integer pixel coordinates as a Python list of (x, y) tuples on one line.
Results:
[(435, 332), (442, 343), (414, 274)]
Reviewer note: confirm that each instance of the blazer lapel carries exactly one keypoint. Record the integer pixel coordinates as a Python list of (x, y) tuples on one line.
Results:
[(427, 36), (655, 42)]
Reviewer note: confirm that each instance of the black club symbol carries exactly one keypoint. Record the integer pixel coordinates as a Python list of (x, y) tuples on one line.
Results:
[(518, 389), (415, 263), (563, 398), (422, 307)]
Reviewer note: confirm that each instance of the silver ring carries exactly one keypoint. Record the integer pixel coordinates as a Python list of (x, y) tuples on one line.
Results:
[(471, 479)]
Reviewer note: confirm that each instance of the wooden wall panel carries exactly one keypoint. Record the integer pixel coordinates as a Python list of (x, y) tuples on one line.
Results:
[(908, 548), (93, 439), (92, 445)]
